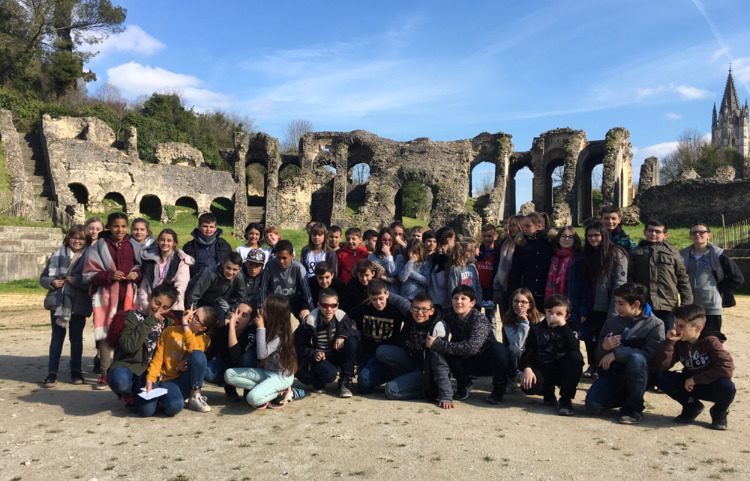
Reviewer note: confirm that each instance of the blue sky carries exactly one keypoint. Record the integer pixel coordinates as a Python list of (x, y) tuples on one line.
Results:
[(441, 69)]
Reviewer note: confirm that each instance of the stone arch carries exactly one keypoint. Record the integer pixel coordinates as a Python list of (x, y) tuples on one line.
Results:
[(223, 209), (115, 198), (186, 205), (321, 201), (517, 164), (414, 199), (80, 192), (585, 184), (288, 172), (552, 163), (358, 177), (151, 206), (257, 183)]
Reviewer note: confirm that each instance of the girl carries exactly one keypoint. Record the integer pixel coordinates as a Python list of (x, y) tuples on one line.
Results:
[(317, 250), (516, 324), (140, 230), (112, 267), (136, 344), (414, 275), (164, 263), (179, 364), (93, 226), (567, 245), (504, 261), (447, 267), (68, 302), (272, 236), (602, 268), (253, 238), (383, 256), (275, 347), (531, 258)]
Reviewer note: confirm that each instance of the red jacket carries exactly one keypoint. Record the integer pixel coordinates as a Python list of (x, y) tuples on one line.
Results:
[(348, 258)]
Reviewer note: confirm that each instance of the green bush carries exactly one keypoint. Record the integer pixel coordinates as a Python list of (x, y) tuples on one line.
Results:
[(171, 212)]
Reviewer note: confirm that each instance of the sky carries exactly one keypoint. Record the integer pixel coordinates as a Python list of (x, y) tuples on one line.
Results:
[(441, 69)]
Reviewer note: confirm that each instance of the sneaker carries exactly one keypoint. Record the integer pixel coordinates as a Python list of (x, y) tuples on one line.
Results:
[(344, 391), (496, 397), (718, 420), (282, 399), (511, 387), (689, 412), (76, 378), (101, 383), (50, 381), (566, 408), (630, 418), (591, 373), (198, 403), (463, 391), (319, 389), (97, 365)]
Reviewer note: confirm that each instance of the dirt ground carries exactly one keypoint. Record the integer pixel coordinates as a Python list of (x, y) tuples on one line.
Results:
[(73, 432)]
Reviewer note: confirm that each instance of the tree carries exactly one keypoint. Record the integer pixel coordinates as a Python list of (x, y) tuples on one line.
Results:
[(695, 152), (294, 132), (360, 174)]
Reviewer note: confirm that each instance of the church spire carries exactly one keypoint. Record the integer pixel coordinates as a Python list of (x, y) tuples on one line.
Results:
[(729, 101)]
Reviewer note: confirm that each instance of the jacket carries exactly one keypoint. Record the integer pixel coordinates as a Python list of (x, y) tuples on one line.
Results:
[(132, 349), (178, 274), (705, 361), (347, 259), (469, 336), (305, 336), (211, 287), (77, 290), (530, 265), (595, 295), (713, 278), (545, 345), (175, 344), (659, 267), (641, 334), (193, 249)]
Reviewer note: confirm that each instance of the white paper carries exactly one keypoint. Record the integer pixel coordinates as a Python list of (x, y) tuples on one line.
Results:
[(154, 393)]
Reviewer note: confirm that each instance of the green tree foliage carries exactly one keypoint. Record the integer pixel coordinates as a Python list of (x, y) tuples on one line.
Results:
[(696, 153), (415, 200)]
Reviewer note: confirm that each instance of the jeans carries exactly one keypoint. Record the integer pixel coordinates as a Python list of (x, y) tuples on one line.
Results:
[(263, 385), (622, 385), (493, 361), (217, 366), (564, 372), (372, 373), (177, 389), (124, 381), (320, 373), (721, 392), (407, 383), (75, 334)]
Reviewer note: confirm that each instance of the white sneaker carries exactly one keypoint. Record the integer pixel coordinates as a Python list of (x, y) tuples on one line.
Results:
[(198, 403)]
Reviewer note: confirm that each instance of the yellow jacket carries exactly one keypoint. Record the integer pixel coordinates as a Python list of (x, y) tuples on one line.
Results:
[(175, 345)]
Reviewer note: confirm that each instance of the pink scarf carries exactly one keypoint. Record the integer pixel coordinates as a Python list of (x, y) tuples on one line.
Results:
[(557, 280)]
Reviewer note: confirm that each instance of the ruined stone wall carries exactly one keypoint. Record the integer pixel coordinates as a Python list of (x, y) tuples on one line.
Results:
[(21, 189), (24, 251)]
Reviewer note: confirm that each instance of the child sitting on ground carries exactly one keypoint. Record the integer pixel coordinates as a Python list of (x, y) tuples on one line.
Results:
[(516, 324), (707, 372)]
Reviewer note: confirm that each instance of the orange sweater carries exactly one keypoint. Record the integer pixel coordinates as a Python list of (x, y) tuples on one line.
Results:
[(175, 345)]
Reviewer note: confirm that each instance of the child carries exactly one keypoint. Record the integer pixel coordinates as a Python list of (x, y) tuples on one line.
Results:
[(713, 275), (415, 274), (627, 345), (93, 226), (429, 239), (272, 237), (324, 279), (416, 232), (566, 245), (486, 261), (552, 357), (253, 238), (221, 288), (252, 273), (386, 257), (447, 270), (326, 342), (472, 349), (419, 372), (164, 263), (317, 250), (136, 344), (399, 237), (611, 217), (112, 268), (140, 230), (516, 324), (68, 302), (179, 364), (334, 238), (350, 253), (370, 240), (286, 277), (207, 247), (707, 372), (275, 349), (378, 322), (504, 262), (356, 290), (657, 265), (531, 258)]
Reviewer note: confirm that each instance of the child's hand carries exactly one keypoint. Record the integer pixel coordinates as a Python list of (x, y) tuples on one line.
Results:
[(338, 343), (320, 356), (260, 322), (610, 342), (386, 250), (607, 360), (414, 258), (188, 314), (182, 366), (232, 318), (132, 276), (673, 336), (529, 379), (429, 341), (446, 404), (149, 386), (303, 314), (118, 276), (689, 384), (57, 283)]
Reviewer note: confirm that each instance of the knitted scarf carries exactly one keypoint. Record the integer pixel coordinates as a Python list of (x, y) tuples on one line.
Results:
[(60, 264), (557, 279)]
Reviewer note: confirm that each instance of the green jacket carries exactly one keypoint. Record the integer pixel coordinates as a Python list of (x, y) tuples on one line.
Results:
[(132, 349), (659, 267)]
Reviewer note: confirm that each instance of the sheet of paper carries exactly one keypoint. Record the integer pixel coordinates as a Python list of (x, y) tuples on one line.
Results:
[(154, 393)]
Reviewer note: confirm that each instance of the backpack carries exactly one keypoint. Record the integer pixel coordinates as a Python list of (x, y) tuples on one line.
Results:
[(118, 324)]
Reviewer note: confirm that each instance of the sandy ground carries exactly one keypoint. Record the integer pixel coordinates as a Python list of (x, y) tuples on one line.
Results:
[(73, 432)]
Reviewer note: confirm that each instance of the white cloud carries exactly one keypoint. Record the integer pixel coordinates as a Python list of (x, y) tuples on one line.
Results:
[(133, 39), (660, 151), (134, 79), (673, 116), (691, 93), (685, 91)]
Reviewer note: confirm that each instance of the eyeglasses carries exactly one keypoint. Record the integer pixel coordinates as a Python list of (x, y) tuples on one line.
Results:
[(421, 310), (699, 232), (82, 239), (655, 231), (196, 320), (567, 237), (520, 301), (325, 305)]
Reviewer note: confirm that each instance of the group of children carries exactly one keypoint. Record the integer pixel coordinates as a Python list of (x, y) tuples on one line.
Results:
[(408, 313)]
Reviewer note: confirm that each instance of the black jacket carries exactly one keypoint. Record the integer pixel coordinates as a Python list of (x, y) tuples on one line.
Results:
[(546, 345)]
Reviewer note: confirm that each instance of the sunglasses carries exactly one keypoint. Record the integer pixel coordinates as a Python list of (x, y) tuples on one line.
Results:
[(326, 305)]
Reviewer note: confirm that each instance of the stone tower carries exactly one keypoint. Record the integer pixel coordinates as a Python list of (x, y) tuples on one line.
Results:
[(731, 127)]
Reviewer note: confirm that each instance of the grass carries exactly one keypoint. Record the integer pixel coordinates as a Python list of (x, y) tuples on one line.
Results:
[(4, 176), (26, 286), (19, 221)]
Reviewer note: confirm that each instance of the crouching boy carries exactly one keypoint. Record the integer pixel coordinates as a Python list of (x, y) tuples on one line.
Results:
[(707, 372)]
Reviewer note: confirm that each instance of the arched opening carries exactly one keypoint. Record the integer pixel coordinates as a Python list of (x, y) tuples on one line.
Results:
[(80, 192), (114, 201), (150, 207), (288, 173), (356, 188), (186, 207), (223, 209), (482, 181), (256, 175), (414, 201), (519, 189), (553, 180)]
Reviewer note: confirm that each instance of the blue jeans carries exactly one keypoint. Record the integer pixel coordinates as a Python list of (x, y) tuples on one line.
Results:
[(721, 392), (124, 381), (75, 334), (407, 383), (622, 385), (177, 389), (217, 366), (319, 373), (263, 385), (372, 373)]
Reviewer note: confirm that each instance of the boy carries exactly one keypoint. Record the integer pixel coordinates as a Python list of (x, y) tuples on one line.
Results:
[(207, 247), (252, 272), (350, 253), (324, 279), (707, 372), (286, 277), (326, 342), (429, 239), (416, 232), (627, 344), (420, 372), (611, 217), (713, 276), (334, 238), (657, 265), (356, 290), (370, 239), (553, 357), (222, 287), (378, 322)]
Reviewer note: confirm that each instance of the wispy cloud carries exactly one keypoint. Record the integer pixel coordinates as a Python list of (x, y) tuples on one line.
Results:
[(132, 40), (687, 92), (134, 79), (659, 150), (672, 116)]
